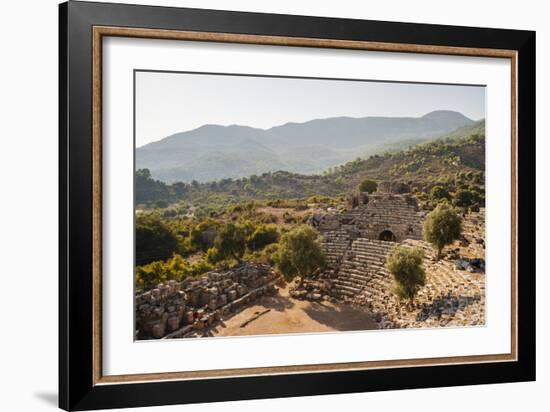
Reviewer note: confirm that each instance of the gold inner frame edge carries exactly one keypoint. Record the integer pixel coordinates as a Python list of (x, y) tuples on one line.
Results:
[(102, 31)]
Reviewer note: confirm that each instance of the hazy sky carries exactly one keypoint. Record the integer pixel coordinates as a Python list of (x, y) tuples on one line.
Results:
[(168, 103)]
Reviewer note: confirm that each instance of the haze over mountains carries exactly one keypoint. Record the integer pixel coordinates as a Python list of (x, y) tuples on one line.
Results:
[(214, 152)]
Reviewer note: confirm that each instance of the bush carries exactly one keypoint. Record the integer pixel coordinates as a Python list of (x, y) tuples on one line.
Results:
[(439, 193), (405, 265), (150, 275), (230, 242), (199, 268), (442, 227), (202, 236), (212, 256), (154, 240), (465, 198), (368, 185), (263, 236), (267, 255)]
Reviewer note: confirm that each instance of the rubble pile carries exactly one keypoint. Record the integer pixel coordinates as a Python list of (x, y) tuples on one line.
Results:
[(173, 309)]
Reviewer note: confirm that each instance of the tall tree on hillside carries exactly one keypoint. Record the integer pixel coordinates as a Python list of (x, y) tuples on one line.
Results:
[(442, 227)]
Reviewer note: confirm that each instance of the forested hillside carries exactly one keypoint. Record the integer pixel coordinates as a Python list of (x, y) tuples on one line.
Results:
[(455, 161), (214, 152)]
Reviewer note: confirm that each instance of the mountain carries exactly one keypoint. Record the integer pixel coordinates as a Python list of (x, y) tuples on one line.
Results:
[(213, 152), (455, 160)]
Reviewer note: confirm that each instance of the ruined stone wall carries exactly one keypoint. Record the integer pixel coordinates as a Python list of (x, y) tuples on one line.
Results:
[(396, 216), (177, 308)]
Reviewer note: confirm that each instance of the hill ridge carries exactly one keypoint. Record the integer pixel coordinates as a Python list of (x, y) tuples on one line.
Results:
[(331, 141)]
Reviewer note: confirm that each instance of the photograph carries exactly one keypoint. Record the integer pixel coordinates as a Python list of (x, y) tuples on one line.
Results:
[(294, 205), (261, 205)]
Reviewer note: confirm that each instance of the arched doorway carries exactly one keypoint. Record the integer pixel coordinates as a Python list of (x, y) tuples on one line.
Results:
[(387, 235)]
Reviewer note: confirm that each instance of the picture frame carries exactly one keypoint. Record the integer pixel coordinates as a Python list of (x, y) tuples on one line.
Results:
[(83, 26)]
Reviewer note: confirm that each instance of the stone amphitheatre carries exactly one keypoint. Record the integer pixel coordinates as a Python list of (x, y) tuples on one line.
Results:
[(353, 292)]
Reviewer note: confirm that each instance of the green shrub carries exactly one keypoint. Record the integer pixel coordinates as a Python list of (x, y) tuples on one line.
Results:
[(465, 198), (439, 192), (230, 242), (212, 256), (154, 240), (201, 237), (263, 236)]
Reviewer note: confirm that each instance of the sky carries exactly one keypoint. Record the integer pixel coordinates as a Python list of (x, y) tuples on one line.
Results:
[(168, 103)]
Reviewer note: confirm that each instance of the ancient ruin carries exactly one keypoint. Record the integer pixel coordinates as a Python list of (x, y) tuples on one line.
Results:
[(377, 217), (176, 309), (357, 242)]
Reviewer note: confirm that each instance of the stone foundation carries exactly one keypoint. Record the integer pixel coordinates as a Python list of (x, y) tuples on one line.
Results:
[(173, 308)]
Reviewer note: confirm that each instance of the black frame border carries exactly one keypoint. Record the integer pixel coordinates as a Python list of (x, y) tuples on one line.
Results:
[(76, 387)]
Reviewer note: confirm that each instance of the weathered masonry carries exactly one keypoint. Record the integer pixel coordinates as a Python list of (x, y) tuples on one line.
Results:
[(378, 217), (383, 216), (357, 243), (175, 309)]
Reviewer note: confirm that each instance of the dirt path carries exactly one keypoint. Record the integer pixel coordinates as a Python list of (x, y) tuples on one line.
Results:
[(288, 315)]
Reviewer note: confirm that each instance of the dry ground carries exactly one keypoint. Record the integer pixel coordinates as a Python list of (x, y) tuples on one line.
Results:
[(288, 315)]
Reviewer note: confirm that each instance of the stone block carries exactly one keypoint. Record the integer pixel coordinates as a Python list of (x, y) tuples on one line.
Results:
[(173, 323), (146, 297), (158, 330), (204, 298), (188, 317)]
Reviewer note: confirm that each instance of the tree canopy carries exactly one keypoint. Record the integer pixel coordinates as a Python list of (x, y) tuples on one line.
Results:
[(439, 193), (154, 240), (368, 185), (262, 236), (442, 227), (405, 264), (465, 198), (230, 242), (299, 253)]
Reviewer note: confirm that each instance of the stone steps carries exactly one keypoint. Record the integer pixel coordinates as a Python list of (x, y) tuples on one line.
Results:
[(363, 266), (335, 244)]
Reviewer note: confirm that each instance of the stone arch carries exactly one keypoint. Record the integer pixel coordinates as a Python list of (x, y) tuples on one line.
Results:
[(387, 235)]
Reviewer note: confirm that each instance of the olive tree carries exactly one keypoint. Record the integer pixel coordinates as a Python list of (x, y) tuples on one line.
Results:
[(230, 242), (405, 264), (442, 227), (299, 253)]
